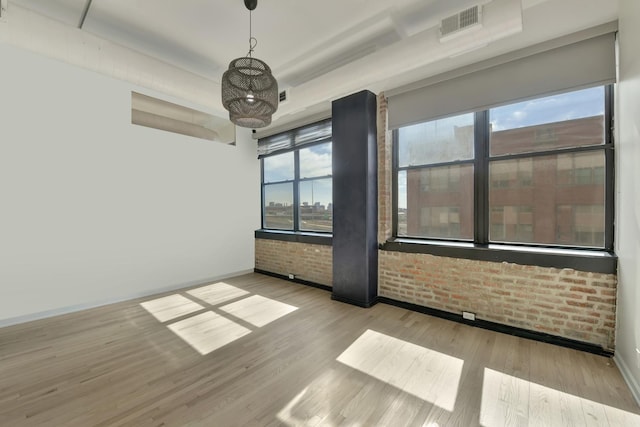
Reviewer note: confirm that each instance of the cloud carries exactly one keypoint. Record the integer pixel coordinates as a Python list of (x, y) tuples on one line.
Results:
[(278, 167), (556, 108), (315, 161)]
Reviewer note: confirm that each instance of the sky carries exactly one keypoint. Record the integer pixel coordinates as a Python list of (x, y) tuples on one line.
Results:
[(573, 105), (315, 161)]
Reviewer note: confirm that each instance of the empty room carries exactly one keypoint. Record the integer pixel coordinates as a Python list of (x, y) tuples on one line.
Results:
[(330, 213)]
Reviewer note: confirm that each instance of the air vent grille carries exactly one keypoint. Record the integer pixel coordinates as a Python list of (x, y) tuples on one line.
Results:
[(465, 19), (469, 17), (283, 96)]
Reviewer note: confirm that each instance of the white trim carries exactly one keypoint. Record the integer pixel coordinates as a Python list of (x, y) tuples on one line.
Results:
[(628, 377), (74, 308)]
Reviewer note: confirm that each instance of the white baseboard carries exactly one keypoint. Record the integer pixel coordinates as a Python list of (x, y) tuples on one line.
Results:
[(628, 377), (93, 304)]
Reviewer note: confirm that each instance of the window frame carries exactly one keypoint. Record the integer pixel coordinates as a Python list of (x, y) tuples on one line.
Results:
[(264, 184), (481, 210), (278, 233)]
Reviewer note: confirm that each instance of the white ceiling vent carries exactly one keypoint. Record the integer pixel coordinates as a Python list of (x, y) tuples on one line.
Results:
[(453, 25)]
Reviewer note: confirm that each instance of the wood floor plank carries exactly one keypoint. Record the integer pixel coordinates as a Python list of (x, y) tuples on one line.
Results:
[(268, 352)]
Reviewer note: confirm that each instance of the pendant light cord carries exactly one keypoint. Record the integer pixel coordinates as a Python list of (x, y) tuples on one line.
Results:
[(253, 42)]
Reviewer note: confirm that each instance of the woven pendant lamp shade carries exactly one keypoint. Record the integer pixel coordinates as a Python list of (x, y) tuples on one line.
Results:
[(249, 92)]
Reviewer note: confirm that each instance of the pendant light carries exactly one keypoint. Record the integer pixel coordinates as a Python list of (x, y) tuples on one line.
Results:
[(249, 90)]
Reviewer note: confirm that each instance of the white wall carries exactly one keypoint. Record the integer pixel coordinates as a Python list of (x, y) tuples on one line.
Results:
[(94, 209), (628, 196)]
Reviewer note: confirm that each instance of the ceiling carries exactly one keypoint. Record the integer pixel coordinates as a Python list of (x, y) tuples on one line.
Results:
[(320, 50)]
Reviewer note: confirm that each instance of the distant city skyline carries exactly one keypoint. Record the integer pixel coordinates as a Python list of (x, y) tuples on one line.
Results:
[(303, 204), (315, 162)]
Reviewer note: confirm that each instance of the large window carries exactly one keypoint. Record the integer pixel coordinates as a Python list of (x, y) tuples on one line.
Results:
[(296, 180), (435, 178), (537, 172)]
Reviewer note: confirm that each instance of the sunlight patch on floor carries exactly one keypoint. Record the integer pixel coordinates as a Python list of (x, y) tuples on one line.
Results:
[(171, 307), (512, 401), (218, 326), (217, 293), (258, 310), (427, 374), (314, 405), (208, 331), (295, 413)]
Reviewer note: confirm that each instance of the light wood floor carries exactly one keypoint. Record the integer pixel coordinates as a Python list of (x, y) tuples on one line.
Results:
[(255, 350)]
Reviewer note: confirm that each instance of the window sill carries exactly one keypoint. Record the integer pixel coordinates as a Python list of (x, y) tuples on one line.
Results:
[(577, 259), (297, 237)]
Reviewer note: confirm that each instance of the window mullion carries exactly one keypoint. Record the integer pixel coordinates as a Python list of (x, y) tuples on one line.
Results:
[(262, 223), (296, 190), (394, 183), (481, 178), (609, 207)]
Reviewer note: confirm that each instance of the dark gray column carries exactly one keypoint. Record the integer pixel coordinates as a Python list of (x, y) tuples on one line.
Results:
[(355, 199)]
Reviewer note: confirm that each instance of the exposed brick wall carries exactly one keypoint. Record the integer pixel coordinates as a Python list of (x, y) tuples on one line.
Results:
[(313, 263), (562, 302), (384, 172)]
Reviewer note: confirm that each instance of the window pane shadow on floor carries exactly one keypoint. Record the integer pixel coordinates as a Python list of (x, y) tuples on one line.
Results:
[(219, 325)]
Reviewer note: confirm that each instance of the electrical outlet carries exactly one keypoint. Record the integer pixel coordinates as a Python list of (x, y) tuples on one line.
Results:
[(468, 315), (291, 276)]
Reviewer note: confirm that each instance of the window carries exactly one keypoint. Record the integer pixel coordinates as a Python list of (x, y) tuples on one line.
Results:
[(435, 178), (537, 172), (512, 173), (441, 221), (581, 223), (511, 223), (315, 188), (296, 180), (278, 178), (581, 169)]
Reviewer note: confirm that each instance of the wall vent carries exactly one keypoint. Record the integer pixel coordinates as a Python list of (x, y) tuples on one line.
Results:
[(283, 96), (454, 24)]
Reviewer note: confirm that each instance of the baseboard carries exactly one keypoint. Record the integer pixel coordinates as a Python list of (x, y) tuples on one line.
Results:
[(295, 280), (505, 329), (359, 303), (93, 304), (628, 377)]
